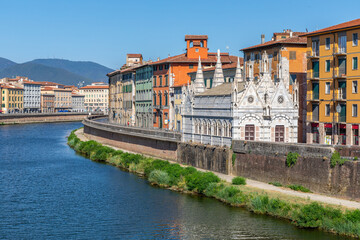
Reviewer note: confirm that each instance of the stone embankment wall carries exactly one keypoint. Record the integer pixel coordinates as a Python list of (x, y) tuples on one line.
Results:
[(41, 117), (207, 157), (262, 161), (161, 144), (266, 162)]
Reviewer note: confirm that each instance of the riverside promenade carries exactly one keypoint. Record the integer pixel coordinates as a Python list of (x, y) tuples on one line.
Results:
[(261, 186), (22, 118)]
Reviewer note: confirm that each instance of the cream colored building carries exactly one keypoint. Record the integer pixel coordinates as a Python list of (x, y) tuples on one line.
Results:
[(62, 100), (96, 97)]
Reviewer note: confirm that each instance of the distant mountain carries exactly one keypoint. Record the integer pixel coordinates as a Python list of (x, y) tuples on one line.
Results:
[(39, 72), (89, 70), (5, 63)]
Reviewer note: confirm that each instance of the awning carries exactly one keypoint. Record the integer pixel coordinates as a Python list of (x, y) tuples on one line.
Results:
[(343, 126), (314, 124), (328, 125), (355, 126)]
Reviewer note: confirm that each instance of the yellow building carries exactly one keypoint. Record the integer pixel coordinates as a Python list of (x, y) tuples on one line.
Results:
[(333, 97), (12, 98), (96, 97)]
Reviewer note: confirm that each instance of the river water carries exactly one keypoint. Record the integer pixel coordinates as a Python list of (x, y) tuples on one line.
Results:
[(47, 191)]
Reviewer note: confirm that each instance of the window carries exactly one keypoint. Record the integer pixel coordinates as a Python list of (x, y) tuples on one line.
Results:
[(166, 98), (166, 66), (354, 110), (327, 43), (327, 109), (327, 66), (354, 86), (250, 132), (191, 66), (292, 55), (166, 80), (275, 56), (355, 63), (154, 81), (160, 67), (160, 80), (327, 88), (355, 39)]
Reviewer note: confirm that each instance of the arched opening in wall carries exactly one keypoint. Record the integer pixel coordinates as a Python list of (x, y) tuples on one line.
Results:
[(209, 128), (204, 128), (219, 127), (230, 130)]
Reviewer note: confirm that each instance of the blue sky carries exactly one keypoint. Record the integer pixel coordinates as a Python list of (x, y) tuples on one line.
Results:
[(104, 31)]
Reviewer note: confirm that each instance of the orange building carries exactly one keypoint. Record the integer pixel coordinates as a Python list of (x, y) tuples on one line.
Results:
[(171, 73), (283, 44), (333, 84)]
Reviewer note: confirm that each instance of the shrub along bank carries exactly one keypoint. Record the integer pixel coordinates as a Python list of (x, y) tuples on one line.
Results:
[(189, 180)]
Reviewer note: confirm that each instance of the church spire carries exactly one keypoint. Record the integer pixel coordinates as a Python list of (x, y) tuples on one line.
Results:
[(199, 79), (238, 76), (218, 74)]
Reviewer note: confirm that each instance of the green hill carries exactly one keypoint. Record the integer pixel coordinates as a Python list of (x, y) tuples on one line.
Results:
[(39, 72), (5, 63), (87, 69)]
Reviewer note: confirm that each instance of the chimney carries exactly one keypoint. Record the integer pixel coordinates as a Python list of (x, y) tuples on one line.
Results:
[(291, 33), (262, 38)]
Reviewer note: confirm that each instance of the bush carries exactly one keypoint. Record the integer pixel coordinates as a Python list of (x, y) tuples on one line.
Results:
[(336, 159), (353, 216), (309, 216), (276, 184), (159, 177), (239, 181), (259, 203), (213, 189), (300, 188), (101, 153), (199, 181), (291, 158)]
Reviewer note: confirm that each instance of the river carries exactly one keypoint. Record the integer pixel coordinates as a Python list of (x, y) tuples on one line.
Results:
[(47, 191)]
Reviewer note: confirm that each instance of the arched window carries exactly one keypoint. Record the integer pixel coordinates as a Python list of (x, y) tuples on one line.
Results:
[(204, 128), (219, 130), (209, 128), (230, 130), (154, 98)]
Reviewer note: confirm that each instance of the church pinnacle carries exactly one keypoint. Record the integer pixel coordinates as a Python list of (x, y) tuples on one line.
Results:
[(218, 74)]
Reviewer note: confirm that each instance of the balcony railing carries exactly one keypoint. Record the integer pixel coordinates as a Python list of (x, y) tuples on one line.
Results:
[(341, 96), (312, 54), (341, 118), (312, 97), (340, 52), (312, 118), (313, 75)]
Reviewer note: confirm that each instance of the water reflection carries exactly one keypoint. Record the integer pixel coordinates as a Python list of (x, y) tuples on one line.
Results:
[(49, 192)]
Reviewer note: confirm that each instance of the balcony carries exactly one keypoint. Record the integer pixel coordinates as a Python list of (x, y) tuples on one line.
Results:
[(313, 76), (312, 118), (340, 52), (341, 119), (312, 97), (312, 55)]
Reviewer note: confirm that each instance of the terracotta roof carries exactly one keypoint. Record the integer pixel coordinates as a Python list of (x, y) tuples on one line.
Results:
[(292, 40), (95, 87), (196, 37), (182, 58), (62, 90), (134, 55), (338, 27), (47, 89), (46, 83), (110, 74), (288, 33), (29, 82), (11, 87), (129, 69)]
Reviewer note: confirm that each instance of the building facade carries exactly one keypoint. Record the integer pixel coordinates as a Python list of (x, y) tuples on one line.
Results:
[(261, 110), (32, 96), (115, 96), (47, 102), (96, 97), (332, 84), (171, 74), (12, 99), (77, 102), (290, 45), (143, 96)]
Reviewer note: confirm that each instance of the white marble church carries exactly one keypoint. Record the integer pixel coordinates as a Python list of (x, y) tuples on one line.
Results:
[(262, 110)]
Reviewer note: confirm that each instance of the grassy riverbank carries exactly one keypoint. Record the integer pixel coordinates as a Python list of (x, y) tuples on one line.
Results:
[(299, 212)]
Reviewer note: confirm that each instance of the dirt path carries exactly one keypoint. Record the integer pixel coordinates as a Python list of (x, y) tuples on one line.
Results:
[(265, 186)]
